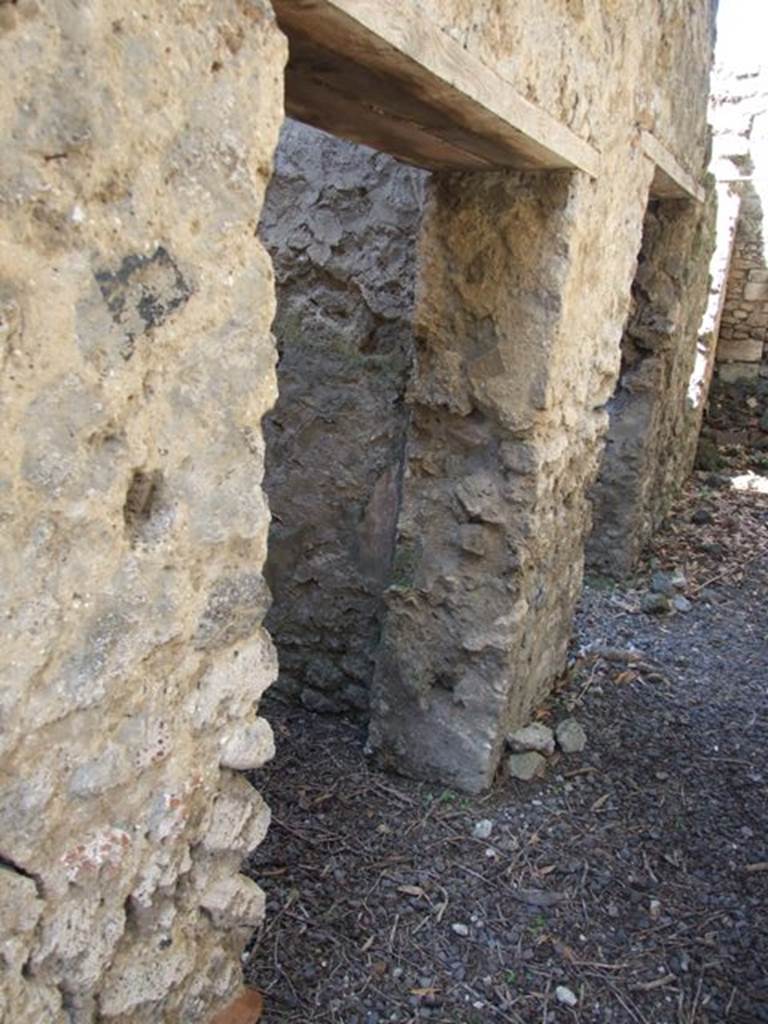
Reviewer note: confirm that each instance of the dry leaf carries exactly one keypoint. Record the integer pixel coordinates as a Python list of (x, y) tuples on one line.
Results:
[(565, 951), (411, 890)]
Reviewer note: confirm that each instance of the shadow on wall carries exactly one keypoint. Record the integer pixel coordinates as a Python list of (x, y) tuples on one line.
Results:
[(650, 445), (341, 224)]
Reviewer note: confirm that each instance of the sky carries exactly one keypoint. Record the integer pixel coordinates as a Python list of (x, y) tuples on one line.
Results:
[(742, 33), (742, 46)]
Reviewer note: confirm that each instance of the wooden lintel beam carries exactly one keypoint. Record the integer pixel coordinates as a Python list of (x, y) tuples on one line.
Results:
[(670, 180), (381, 73)]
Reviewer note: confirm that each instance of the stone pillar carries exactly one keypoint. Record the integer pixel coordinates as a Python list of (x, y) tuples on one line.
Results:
[(511, 364), (654, 424), (135, 304)]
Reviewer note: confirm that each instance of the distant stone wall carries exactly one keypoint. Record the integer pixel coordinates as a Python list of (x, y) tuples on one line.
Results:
[(743, 339), (740, 120), (135, 304), (654, 426), (341, 223)]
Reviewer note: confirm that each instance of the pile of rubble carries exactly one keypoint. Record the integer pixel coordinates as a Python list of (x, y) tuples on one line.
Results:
[(535, 743)]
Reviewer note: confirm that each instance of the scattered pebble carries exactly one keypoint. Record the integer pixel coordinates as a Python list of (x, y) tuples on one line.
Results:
[(460, 929), (526, 766), (701, 517), (535, 736), (483, 829), (571, 737), (681, 604), (565, 996), (668, 583), (655, 603)]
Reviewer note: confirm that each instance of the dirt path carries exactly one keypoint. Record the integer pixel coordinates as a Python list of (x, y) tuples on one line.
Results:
[(635, 875)]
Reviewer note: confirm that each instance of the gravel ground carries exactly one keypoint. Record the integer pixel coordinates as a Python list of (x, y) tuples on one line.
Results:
[(634, 875)]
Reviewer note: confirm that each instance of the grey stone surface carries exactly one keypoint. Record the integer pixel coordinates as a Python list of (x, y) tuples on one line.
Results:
[(571, 737), (526, 766), (654, 428), (535, 736), (668, 583), (341, 223), (729, 373), (483, 829), (654, 603), (566, 996)]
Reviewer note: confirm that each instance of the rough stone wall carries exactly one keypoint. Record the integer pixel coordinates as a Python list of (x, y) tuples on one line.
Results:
[(744, 325), (522, 296), (561, 54), (341, 223), (137, 362), (740, 119), (135, 304), (654, 426)]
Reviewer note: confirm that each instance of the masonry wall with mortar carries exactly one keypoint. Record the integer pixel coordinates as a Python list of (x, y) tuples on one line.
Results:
[(136, 303), (743, 338), (740, 120)]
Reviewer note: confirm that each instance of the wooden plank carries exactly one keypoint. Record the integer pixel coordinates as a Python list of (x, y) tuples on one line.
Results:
[(379, 72), (670, 181), (337, 96)]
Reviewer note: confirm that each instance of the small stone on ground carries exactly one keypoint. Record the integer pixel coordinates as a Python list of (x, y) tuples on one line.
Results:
[(571, 737), (535, 736), (526, 766), (483, 829), (565, 996), (655, 604)]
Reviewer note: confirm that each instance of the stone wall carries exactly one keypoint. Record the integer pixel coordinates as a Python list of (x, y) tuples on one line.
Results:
[(740, 119), (743, 338), (654, 425), (522, 295), (135, 307), (341, 223), (135, 304)]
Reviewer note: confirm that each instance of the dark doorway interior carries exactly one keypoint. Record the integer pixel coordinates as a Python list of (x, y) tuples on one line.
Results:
[(341, 224)]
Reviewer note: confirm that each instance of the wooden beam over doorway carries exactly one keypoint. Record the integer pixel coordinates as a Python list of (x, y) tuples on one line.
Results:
[(380, 73), (670, 181)]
